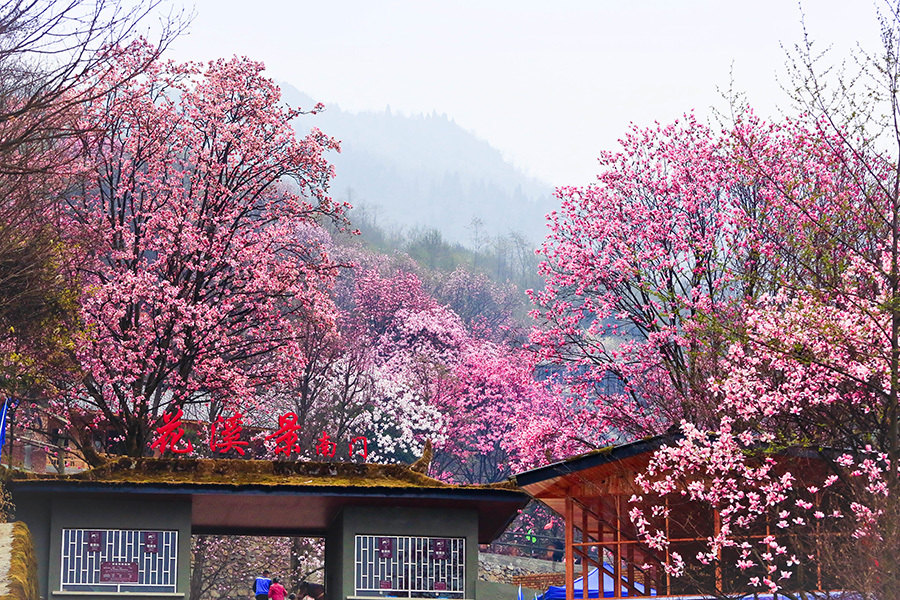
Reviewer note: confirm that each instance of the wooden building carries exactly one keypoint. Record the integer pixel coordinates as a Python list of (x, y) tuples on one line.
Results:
[(595, 492)]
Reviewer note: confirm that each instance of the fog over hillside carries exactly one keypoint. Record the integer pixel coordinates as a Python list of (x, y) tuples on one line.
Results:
[(427, 172)]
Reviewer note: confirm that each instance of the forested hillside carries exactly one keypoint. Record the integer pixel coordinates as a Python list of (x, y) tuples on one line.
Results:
[(504, 258), (426, 172)]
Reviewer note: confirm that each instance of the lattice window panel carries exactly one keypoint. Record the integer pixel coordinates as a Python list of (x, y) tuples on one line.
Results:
[(82, 562), (418, 567)]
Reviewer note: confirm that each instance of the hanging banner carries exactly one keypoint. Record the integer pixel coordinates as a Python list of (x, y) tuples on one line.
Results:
[(440, 549), (386, 547), (94, 541)]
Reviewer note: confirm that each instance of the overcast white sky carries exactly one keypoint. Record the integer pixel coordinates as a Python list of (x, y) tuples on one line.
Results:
[(548, 83)]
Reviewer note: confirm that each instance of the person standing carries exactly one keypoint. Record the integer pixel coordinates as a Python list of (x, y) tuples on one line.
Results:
[(261, 586), (276, 590)]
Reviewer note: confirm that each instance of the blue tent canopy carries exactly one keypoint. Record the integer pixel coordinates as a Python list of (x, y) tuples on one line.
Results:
[(558, 592)]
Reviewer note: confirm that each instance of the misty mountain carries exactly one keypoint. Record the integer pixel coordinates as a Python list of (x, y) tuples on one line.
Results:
[(427, 172)]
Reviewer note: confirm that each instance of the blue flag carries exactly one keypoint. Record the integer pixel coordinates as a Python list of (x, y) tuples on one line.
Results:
[(3, 412), (520, 585)]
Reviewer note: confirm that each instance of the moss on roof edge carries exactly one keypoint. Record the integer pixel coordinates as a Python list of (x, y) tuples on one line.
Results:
[(231, 472)]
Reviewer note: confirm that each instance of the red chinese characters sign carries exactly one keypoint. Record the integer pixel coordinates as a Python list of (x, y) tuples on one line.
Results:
[(287, 435), (170, 433), (363, 447), (225, 437)]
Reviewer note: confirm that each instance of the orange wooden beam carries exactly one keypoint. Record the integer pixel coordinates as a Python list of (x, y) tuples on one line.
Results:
[(570, 551)]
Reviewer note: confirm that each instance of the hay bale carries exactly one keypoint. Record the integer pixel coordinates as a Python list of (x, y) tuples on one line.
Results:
[(22, 579)]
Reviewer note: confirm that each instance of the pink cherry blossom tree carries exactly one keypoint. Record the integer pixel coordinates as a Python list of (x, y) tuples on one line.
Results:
[(48, 52), (804, 443), (633, 264), (411, 369), (453, 382), (202, 271), (813, 371), (484, 306), (744, 286), (787, 341), (414, 341), (225, 566), (494, 406)]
